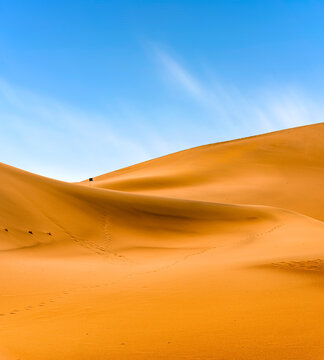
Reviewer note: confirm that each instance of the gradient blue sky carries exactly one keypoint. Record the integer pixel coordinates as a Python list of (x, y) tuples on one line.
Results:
[(87, 87)]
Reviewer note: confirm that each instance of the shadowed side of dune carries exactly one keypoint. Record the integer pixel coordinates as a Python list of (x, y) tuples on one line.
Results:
[(42, 213), (39, 211)]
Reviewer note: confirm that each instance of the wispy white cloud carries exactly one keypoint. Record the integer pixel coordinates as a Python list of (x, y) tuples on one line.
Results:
[(240, 113), (46, 136), (180, 75)]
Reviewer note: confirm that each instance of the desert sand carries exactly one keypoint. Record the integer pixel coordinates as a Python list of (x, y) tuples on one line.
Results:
[(215, 252)]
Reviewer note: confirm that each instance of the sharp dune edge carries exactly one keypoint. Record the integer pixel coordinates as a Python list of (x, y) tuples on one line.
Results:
[(215, 252)]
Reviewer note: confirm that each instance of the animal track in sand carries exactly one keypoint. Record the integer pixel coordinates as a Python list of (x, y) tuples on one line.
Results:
[(66, 292), (258, 235), (52, 300)]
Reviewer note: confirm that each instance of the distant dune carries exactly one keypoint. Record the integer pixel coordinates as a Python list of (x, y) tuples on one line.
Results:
[(215, 252)]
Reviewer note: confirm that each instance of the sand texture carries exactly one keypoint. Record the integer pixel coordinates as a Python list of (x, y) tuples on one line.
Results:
[(215, 252)]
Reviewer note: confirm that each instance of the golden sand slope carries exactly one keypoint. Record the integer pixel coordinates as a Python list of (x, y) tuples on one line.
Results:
[(168, 267), (273, 169)]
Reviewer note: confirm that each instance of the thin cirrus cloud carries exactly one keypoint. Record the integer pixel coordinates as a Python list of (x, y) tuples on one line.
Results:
[(51, 138), (180, 74), (237, 113)]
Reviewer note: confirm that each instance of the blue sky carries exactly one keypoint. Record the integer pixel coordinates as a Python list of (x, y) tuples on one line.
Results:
[(87, 87)]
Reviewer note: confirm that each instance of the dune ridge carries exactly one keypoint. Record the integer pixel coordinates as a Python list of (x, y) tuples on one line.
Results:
[(214, 252)]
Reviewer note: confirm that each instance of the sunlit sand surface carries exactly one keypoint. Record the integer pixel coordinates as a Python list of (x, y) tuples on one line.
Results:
[(215, 252)]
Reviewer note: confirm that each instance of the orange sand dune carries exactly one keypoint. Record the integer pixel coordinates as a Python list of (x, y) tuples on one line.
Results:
[(215, 252), (272, 169)]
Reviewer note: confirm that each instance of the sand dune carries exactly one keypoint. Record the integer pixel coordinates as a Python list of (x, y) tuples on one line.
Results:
[(215, 252), (272, 169)]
